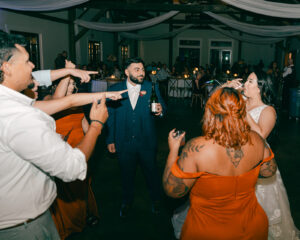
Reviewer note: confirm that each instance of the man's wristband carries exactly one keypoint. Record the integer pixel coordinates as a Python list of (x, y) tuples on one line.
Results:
[(98, 122)]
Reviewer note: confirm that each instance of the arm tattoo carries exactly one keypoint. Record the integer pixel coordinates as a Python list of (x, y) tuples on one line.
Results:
[(174, 185), (235, 156)]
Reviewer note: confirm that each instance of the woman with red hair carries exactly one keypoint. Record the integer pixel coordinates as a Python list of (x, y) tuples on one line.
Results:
[(220, 169)]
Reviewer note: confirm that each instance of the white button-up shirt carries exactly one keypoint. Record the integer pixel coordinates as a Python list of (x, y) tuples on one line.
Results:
[(133, 92), (30, 152)]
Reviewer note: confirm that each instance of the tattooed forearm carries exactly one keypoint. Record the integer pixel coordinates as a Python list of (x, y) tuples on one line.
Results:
[(235, 156), (268, 169), (174, 186)]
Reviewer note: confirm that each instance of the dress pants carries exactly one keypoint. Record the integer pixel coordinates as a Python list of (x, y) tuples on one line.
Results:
[(130, 156), (41, 228)]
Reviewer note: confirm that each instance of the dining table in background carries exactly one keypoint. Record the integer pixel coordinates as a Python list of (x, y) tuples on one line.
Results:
[(180, 87)]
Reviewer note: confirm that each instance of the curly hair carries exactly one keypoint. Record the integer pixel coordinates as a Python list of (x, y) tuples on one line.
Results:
[(224, 119)]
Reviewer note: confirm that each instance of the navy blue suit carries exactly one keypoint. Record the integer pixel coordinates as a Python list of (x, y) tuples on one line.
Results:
[(134, 135)]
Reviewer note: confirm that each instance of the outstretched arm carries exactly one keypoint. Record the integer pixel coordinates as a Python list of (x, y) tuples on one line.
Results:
[(56, 105)]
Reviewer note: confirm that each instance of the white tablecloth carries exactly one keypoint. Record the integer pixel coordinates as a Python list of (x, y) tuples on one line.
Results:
[(180, 87)]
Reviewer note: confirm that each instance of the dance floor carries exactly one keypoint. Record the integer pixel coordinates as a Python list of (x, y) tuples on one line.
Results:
[(141, 224)]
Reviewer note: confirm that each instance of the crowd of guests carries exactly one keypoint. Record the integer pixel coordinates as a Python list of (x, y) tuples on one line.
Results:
[(41, 197)]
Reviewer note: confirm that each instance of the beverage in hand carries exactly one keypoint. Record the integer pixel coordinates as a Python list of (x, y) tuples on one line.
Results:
[(153, 100)]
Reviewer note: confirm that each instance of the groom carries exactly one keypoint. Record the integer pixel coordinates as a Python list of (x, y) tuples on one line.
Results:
[(131, 133)]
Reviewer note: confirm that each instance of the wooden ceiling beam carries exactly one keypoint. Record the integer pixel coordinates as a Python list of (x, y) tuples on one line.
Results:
[(161, 7), (39, 15), (95, 18)]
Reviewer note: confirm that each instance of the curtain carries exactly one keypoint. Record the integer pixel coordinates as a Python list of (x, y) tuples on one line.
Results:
[(273, 9), (155, 36), (247, 38), (265, 31), (39, 5), (123, 27)]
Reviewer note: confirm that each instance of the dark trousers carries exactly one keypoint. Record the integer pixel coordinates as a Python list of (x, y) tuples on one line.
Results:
[(129, 158)]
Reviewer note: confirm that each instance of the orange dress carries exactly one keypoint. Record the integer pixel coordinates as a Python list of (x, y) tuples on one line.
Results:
[(74, 199), (224, 207)]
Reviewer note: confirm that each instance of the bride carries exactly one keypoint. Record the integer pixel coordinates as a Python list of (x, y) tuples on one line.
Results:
[(271, 193)]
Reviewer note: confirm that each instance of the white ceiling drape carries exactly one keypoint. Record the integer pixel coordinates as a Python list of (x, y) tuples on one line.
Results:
[(273, 9), (265, 31), (247, 38), (153, 37), (124, 27), (39, 5)]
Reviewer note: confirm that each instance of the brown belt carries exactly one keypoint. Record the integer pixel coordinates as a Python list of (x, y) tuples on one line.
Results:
[(23, 223)]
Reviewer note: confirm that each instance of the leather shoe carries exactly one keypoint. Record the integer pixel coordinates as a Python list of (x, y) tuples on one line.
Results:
[(156, 208), (124, 210)]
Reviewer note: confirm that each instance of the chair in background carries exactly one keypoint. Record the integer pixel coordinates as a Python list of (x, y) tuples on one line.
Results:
[(197, 95)]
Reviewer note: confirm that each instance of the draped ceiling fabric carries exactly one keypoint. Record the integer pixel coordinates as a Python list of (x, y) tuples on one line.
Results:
[(124, 27), (248, 38), (155, 36), (273, 9), (265, 31), (39, 5)]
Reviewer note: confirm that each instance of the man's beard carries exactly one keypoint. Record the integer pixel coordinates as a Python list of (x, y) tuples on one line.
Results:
[(135, 80)]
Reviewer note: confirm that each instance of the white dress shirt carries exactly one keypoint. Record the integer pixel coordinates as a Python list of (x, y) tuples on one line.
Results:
[(30, 152), (43, 77), (133, 92)]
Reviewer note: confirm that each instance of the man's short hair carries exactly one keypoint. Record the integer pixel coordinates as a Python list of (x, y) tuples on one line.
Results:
[(132, 60), (7, 47)]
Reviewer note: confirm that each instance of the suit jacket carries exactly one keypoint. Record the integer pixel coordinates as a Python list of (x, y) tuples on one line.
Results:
[(125, 124)]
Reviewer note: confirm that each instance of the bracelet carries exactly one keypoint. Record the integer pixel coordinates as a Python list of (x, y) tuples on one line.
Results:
[(98, 122)]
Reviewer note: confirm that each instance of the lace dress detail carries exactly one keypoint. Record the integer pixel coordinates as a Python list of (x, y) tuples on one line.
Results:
[(272, 196)]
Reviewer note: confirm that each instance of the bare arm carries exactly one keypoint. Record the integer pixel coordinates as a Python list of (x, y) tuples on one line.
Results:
[(61, 89), (266, 122), (177, 187), (82, 74), (267, 169), (56, 105)]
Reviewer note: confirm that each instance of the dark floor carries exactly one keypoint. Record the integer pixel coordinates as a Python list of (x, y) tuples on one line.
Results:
[(141, 224)]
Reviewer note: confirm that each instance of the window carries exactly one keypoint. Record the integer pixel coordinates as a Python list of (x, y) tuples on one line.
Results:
[(220, 54), (124, 52), (95, 52), (189, 52), (32, 47)]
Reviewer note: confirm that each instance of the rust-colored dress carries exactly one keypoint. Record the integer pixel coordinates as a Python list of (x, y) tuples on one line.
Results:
[(224, 207), (74, 199)]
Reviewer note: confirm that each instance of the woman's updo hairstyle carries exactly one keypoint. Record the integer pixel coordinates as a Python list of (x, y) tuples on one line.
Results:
[(225, 118)]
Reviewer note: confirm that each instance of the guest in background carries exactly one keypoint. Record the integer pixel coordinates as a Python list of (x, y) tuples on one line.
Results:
[(60, 60), (289, 81), (221, 169), (275, 74), (131, 133), (116, 72)]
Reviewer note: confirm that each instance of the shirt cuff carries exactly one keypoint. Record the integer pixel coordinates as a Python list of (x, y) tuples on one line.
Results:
[(43, 77)]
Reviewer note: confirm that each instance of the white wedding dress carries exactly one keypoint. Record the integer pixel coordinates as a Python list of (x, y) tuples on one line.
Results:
[(271, 195)]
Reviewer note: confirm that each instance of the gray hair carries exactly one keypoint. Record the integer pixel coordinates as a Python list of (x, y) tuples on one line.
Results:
[(8, 49)]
